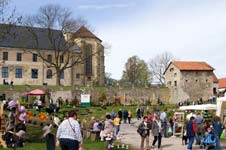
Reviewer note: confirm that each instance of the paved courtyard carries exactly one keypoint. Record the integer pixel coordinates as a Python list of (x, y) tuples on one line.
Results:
[(130, 136)]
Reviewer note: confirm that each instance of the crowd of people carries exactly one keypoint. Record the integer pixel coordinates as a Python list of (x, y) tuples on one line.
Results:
[(212, 99), (203, 128), (199, 127), (153, 125), (159, 125), (15, 128)]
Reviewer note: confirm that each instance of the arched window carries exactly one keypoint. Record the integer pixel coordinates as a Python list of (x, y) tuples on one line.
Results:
[(88, 63), (49, 74)]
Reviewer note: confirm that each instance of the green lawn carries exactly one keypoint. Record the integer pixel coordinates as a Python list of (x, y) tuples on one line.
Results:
[(88, 145), (34, 131)]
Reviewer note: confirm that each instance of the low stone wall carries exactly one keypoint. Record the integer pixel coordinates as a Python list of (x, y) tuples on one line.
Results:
[(132, 96), (128, 95)]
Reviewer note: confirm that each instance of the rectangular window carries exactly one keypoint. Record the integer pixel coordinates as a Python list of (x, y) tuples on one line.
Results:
[(62, 75), (5, 72), (34, 73), (49, 58), (35, 58), (18, 73), (18, 57), (77, 75), (175, 83), (61, 59), (89, 78), (5, 56)]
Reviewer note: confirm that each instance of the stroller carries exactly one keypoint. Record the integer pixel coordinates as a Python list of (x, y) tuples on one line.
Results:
[(209, 142)]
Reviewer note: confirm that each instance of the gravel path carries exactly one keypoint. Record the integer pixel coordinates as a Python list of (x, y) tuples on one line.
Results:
[(130, 136)]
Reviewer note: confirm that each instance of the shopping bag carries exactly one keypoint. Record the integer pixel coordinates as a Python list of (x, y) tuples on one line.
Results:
[(222, 134), (170, 130)]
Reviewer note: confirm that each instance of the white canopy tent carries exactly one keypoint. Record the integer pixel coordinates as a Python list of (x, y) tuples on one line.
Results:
[(199, 107), (221, 106)]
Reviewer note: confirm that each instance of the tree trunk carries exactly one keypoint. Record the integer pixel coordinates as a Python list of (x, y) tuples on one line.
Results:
[(58, 78)]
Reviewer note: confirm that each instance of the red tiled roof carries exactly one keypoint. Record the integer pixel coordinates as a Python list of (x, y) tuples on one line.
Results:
[(222, 83), (192, 66), (83, 32)]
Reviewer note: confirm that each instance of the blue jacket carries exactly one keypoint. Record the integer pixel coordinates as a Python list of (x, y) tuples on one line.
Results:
[(190, 131), (217, 128)]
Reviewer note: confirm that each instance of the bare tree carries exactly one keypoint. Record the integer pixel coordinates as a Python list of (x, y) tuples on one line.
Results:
[(7, 19), (59, 23), (158, 65)]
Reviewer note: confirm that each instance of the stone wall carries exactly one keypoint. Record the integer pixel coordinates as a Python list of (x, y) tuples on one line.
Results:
[(190, 85), (133, 96)]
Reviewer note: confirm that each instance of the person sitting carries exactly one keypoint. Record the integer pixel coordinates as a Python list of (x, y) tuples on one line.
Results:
[(11, 83), (52, 108), (209, 140), (96, 127)]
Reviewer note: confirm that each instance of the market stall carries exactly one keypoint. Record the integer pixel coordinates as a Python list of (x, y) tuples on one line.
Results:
[(178, 123), (199, 107), (221, 106)]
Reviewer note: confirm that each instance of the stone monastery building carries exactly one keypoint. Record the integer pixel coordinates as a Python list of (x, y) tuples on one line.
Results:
[(21, 62)]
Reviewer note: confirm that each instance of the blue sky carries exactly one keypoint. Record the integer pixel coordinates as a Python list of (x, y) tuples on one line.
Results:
[(189, 29)]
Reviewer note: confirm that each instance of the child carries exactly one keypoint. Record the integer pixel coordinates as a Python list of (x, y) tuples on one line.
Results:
[(184, 138), (209, 140)]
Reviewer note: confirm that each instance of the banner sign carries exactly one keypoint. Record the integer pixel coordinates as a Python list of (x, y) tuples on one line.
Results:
[(85, 99)]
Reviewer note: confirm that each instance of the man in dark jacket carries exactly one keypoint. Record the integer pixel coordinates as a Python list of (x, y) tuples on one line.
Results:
[(144, 132), (191, 132), (120, 114), (217, 130), (125, 116)]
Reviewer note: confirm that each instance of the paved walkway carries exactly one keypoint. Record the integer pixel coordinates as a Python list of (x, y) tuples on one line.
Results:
[(130, 136)]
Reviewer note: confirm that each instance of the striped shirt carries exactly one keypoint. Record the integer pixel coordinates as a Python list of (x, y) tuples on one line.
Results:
[(65, 131)]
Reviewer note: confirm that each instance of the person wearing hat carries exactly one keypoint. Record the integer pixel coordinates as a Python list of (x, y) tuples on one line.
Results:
[(20, 130), (12, 115)]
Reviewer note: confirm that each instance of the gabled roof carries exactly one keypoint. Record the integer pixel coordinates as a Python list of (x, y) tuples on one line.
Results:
[(222, 83), (83, 32), (192, 66), (22, 37)]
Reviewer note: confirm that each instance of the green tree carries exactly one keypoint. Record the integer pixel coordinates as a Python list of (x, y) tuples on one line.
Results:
[(136, 72)]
